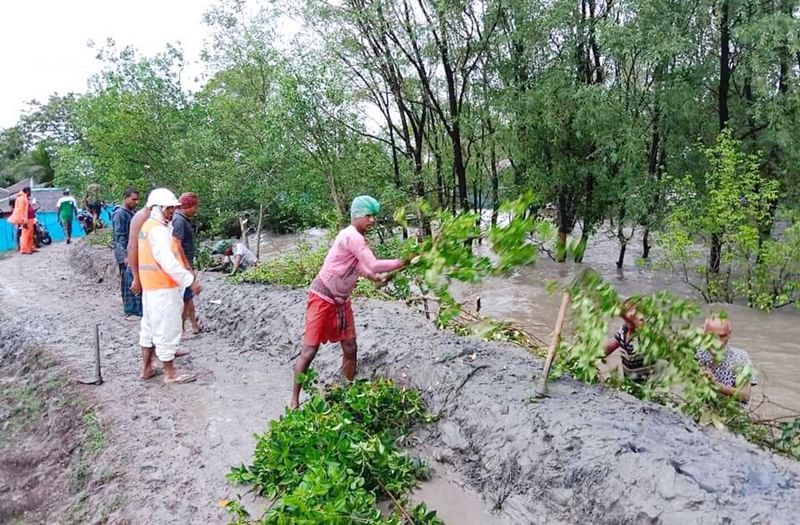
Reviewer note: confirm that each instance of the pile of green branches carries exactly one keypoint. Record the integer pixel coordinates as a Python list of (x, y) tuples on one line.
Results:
[(333, 459)]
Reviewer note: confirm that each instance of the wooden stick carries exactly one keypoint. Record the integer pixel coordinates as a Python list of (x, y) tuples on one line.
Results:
[(541, 386)]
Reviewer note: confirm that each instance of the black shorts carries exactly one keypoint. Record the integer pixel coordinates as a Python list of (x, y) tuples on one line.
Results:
[(188, 294)]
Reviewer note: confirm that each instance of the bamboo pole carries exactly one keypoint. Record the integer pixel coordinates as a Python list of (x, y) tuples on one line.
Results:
[(258, 229), (541, 386)]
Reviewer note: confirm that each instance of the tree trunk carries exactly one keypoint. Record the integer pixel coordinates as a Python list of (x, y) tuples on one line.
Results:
[(440, 188), (340, 211), (623, 245), (258, 228), (724, 63), (580, 249), (715, 255), (561, 246), (646, 243), (495, 183)]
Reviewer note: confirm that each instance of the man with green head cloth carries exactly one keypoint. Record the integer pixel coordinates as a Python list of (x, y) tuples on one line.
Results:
[(329, 312)]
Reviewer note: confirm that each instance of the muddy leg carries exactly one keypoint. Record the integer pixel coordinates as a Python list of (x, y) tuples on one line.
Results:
[(301, 366), (349, 359), (147, 362), (190, 315)]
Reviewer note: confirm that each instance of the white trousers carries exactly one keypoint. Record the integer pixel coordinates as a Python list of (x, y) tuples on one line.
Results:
[(162, 321)]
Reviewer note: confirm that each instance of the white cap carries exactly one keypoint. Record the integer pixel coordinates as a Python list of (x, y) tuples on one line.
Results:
[(162, 197)]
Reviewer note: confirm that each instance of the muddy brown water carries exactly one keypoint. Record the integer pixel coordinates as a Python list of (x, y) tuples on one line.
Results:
[(772, 339), (586, 455)]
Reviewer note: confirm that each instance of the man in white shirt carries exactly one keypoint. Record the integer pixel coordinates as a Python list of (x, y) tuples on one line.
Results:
[(239, 255), (163, 279)]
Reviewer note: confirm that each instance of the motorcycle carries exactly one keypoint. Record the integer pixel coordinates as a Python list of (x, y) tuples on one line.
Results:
[(41, 237), (86, 220)]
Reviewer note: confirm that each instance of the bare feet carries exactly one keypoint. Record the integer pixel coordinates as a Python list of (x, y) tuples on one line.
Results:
[(293, 404), (149, 374), (181, 353), (180, 379)]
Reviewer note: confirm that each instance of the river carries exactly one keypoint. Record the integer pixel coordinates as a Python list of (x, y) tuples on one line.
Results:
[(773, 340)]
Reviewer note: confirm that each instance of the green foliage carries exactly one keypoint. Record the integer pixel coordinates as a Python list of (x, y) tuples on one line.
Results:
[(771, 275), (666, 338), (297, 268), (332, 459), (103, 238), (448, 254), (728, 208)]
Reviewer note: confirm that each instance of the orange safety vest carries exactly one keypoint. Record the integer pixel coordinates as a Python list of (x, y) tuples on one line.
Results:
[(151, 275)]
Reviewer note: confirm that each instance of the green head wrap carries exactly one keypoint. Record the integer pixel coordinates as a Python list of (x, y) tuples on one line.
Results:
[(221, 246), (364, 205)]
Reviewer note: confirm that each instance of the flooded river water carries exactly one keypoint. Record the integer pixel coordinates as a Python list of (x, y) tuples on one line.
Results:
[(773, 340)]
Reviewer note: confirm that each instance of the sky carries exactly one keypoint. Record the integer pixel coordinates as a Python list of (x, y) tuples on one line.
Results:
[(43, 43)]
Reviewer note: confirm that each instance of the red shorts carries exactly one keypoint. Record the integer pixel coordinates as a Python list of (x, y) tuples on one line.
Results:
[(328, 322)]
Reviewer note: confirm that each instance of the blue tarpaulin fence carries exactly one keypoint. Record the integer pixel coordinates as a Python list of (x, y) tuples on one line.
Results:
[(50, 221)]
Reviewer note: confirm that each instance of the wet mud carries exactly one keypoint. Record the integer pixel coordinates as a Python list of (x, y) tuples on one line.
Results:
[(584, 455)]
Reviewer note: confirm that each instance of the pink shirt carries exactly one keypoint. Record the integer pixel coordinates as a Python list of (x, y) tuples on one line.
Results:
[(349, 258)]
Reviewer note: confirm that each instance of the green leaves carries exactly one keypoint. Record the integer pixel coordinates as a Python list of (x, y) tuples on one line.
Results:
[(730, 210), (668, 342), (331, 460)]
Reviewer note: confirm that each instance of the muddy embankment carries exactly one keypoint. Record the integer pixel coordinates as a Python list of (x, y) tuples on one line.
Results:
[(49, 436), (584, 455)]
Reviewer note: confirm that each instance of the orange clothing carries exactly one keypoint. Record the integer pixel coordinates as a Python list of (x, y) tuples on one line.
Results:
[(151, 275), (327, 321), (21, 209), (26, 238)]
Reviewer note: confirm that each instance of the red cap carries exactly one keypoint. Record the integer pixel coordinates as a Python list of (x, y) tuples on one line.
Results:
[(188, 199)]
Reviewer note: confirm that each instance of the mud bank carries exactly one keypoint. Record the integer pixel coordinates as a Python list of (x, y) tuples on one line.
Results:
[(585, 455), (49, 438)]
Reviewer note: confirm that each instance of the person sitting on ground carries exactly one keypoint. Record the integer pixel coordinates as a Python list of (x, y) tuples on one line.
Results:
[(633, 366), (67, 211), (163, 278), (734, 361), (329, 312), (239, 254)]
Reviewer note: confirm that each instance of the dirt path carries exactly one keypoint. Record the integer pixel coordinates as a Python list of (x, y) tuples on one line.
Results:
[(170, 446), (586, 455)]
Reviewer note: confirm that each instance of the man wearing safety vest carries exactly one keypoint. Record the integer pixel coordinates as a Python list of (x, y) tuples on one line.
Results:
[(163, 276)]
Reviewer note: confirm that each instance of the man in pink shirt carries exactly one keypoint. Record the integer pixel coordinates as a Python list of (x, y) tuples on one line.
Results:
[(329, 312)]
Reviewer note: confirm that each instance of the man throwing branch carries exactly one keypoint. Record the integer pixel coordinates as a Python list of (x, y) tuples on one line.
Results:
[(329, 312), (163, 278)]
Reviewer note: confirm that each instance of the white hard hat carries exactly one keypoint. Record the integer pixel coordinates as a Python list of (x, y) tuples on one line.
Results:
[(162, 197)]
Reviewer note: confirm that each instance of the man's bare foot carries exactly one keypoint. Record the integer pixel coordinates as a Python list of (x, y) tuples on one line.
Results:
[(149, 374), (180, 379), (293, 404), (181, 353), (196, 329)]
